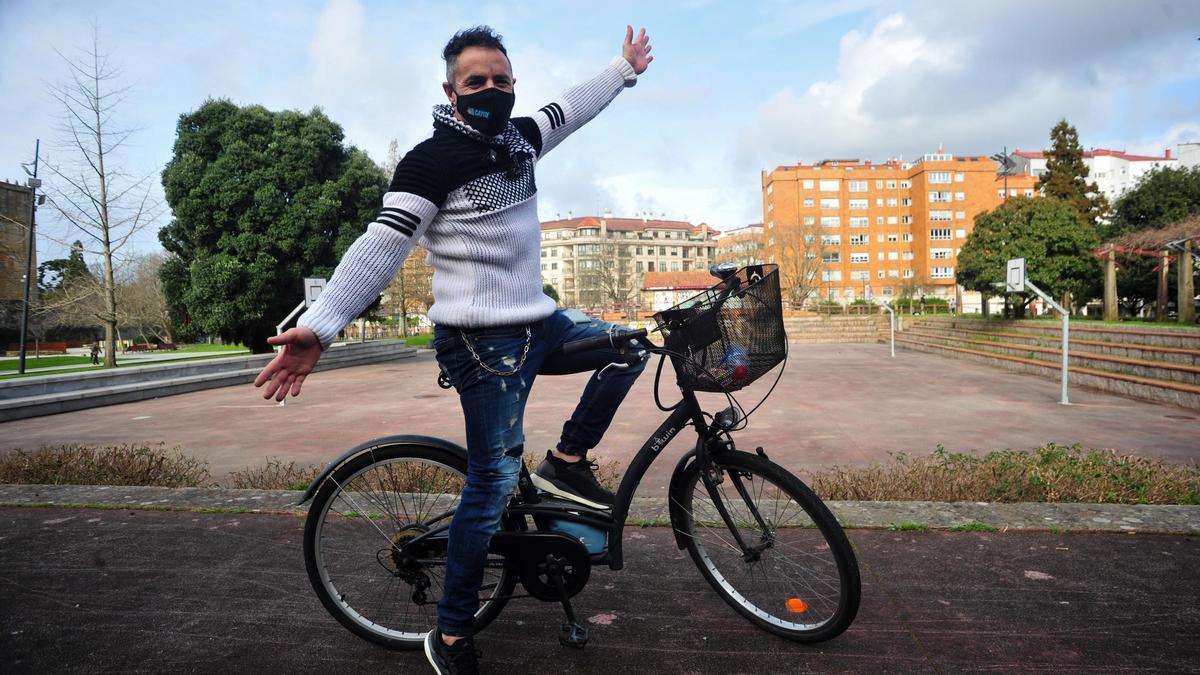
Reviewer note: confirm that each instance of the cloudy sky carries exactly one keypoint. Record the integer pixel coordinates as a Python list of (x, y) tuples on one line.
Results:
[(735, 87)]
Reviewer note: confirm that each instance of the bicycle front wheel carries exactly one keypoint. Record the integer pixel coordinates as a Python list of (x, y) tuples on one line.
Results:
[(768, 545), (375, 544)]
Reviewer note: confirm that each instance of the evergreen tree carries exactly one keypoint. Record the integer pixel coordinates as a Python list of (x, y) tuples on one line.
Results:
[(1066, 175), (54, 274), (261, 200), (1046, 232)]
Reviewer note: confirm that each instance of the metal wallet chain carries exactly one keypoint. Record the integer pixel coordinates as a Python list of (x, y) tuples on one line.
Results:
[(516, 369)]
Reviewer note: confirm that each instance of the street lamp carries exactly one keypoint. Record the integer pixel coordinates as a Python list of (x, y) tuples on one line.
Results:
[(34, 183)]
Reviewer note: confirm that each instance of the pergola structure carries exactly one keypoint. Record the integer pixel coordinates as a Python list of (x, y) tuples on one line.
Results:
[(1181, 242)]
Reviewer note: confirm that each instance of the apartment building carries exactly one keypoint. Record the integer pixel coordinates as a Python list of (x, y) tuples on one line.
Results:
[(847, 229), (742, 246), (1114, 171), (600, 261)]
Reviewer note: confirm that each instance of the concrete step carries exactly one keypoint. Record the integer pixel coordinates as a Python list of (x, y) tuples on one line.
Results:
[(1157, 370), (1160, 391), (1158, 336), (145, 382), (1190, 357)]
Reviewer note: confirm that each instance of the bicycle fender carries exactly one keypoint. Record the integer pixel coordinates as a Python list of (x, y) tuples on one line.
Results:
[(675, 494), (374, 444)]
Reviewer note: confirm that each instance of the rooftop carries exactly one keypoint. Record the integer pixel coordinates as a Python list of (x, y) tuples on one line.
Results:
[(1099, 152), (621, 224)]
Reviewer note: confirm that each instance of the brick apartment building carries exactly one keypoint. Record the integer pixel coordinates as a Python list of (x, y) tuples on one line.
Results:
[(885, 229), (14, 229), (742, 246), (592, 260)]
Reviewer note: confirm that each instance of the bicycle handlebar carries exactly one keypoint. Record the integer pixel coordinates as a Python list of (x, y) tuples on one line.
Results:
[(606, 340)]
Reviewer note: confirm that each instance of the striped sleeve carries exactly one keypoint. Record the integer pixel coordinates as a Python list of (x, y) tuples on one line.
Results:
[(369, 265), (578, 105)]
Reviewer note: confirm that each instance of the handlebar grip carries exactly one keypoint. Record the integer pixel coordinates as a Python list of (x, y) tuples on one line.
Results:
[(606, 340)]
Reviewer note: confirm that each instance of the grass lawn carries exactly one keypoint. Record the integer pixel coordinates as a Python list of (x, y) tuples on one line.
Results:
[(211, 348), (44, 362), (419, 340), (11, 374)]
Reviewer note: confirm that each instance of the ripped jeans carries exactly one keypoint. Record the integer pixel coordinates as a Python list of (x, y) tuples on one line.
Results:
[(494, 409)]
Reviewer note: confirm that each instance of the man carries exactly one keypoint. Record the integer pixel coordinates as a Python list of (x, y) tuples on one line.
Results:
[(468, 195)]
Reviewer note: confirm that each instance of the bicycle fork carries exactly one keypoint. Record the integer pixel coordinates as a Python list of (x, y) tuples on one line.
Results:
[(749, 553)]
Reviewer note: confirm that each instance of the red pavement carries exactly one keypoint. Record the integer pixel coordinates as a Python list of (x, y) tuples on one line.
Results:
[(836, 404)]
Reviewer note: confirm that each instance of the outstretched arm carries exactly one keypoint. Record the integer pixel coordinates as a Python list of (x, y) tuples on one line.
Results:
[(579, 104)]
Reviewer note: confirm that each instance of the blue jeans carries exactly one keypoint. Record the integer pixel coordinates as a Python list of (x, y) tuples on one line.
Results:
[(494, 408)]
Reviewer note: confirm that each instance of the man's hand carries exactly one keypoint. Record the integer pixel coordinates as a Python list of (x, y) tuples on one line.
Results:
[(286, 372), (637, 52)]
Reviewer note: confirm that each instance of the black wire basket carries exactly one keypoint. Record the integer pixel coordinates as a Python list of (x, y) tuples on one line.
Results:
[(725, 346)]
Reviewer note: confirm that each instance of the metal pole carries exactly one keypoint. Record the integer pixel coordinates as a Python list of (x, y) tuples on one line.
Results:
[(1066, 328), (33, 186)]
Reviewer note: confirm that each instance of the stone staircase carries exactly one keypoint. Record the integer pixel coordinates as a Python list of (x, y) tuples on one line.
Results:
[(49, 394), (872, 328), (1160, 364)]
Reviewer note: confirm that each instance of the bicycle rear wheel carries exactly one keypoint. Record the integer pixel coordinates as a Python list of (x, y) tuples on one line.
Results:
[(793, 572), (364, 550)]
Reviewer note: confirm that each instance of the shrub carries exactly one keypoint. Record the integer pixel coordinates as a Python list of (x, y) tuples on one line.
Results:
[(110, 465)]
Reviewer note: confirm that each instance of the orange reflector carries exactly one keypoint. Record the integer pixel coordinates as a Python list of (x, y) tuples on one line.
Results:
[(797, 606)]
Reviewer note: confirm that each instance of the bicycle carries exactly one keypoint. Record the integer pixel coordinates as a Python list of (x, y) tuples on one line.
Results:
[(376, 532)]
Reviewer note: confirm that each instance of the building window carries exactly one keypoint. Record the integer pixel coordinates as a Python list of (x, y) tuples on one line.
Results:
[(939, 177), (831, 275), (907, 274), (674, 266), (940, 196), (831, 221), (808, 185), (856, 186), (892, 238), (941, 272), (554, 266), (860, 221), (939, 253), (855, 204), (880, 255), (831, 240), (904, 185), (906, 202), (859, 240), (960, 196), (860, 275), (960, 215), (637, 266), (940, 216), (939, 234), (887, 290), (831, 186), (1029, 193), (907, 237), (893, 255), (892, 220), (770, 188), (893, 274), (770, 206), (810, 220), (879, 274), (879, 203), (860, 258), (891, 184), (878, 185), (961, 234), (906, 220), (907, 255), (543, 267), (1000, 193), (891, 201), (831, 257), (808, 202), (958, 177), (878, 220), (830, 203)]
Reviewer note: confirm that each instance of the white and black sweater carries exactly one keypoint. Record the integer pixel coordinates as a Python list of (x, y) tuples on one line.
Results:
[(471, 201)]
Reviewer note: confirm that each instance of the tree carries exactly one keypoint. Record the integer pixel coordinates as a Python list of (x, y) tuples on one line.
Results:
[(411, 290), (142, 300), (1046, 231), (801, 250), (261, 200), (550, 291), (92, 193), (1160, 198), (1066, 175), (54, 274)]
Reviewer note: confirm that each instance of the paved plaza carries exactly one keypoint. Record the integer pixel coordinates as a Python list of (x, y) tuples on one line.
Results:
[(835, 404)]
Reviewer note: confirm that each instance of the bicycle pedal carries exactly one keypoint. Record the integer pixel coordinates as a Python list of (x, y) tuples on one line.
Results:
[(573, 635)]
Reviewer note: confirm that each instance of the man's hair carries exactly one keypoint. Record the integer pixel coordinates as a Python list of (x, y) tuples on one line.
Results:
[(479, 36)]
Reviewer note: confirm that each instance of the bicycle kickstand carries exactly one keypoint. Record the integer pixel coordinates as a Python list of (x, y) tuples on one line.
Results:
[(571, 633)]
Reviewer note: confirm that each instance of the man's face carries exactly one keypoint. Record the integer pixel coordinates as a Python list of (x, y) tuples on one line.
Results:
[(479, 68)]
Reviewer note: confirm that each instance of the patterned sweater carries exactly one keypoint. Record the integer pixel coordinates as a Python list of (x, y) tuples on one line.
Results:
[(471, 201)]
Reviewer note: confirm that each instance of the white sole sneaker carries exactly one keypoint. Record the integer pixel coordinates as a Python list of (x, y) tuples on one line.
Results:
[(546, 486)]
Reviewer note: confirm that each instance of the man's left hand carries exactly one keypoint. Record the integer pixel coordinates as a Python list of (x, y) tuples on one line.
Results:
[(637, 52)]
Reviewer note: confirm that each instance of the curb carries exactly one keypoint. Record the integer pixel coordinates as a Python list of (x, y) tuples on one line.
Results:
[(1135, 518)]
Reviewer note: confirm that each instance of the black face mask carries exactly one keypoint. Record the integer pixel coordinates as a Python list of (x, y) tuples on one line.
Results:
[(487, 111)]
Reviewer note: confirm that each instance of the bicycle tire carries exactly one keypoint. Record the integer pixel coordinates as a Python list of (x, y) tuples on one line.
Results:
[(392, 468), (798, 608)]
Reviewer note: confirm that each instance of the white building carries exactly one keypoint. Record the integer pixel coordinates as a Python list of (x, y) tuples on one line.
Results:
[(1189, 155), (1113, 171)]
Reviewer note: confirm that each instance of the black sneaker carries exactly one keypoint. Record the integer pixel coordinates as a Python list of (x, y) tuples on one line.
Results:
[(572, 480), (459, 658)]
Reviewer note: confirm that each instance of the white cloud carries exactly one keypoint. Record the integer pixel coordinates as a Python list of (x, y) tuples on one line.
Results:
[(974, 77)]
